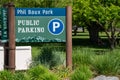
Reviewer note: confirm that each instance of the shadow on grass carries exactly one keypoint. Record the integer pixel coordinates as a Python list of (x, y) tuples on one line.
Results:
[(80, 34), (85, 42), (97, 49)]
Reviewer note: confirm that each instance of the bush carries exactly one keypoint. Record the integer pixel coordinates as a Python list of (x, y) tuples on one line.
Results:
[(82, 73), (20, 76), (6, 75), (50, 57), (82, 56), (41, 73), (35, 73), (108, 64), (62, 72)]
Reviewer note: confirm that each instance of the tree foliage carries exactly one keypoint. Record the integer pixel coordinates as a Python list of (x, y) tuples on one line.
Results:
[(105, 13), (38, 3), (100, 11)]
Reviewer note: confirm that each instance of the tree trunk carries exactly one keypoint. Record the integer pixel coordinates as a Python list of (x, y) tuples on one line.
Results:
[(93, 35), (113, 39), (75, 31), (83, 29), (93, 29)]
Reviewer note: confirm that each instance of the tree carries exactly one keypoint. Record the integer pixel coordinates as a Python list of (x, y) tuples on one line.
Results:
[(38, 3), (98, 15)]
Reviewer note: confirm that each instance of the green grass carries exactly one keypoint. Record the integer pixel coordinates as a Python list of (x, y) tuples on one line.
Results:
[(107, 62), (81, 56), (101, 61), (82, 73), (84, 53), (35, 73), (41, 73), (87, 62), (97, 60)]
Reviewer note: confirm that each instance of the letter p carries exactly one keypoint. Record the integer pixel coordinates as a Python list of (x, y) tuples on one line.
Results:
[(55, 25)]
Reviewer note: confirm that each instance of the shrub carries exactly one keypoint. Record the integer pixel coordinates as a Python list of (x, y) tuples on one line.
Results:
[(6, 75), (20, 76), (41, 73), (82, 56), (82, 73), (50, 57), (108, 64), (62, 72)]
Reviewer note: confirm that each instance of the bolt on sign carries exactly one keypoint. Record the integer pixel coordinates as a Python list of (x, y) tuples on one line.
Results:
[(40, 24), (3, 24)]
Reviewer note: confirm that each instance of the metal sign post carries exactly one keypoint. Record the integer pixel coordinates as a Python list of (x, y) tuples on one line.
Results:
[(69, 38), (11, 36)]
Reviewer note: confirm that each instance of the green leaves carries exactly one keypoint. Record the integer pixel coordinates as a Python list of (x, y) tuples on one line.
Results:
[(39, 3), (41, 73), (95, 10), (82, 73)]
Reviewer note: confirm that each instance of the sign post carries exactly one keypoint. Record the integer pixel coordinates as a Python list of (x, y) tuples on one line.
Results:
[(11, 36), (69, 38)]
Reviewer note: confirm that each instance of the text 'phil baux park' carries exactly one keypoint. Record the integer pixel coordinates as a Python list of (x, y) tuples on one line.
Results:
[(32, 22)]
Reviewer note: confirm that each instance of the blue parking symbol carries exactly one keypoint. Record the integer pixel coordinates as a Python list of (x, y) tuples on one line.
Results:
[(55, 26)]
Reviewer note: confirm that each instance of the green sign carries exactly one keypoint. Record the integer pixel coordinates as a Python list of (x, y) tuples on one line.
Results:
[(40, 24), (0, 18), (3, 24)]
